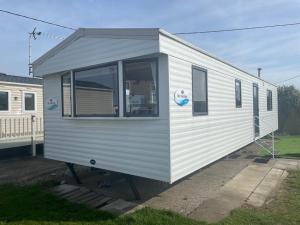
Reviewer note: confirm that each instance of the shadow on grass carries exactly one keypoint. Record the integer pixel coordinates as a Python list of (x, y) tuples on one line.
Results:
[(290, 155), (33, 203), (281, 156)]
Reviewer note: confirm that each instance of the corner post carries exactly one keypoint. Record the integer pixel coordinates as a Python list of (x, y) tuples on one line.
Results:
[(273, 145), (33, 141)]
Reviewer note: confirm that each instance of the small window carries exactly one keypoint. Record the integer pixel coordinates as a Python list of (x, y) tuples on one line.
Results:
[(141, 88), (4, 101), (269, 100), (29, 101), (96, 91), (199, 80), (238, 94), (66, 95)]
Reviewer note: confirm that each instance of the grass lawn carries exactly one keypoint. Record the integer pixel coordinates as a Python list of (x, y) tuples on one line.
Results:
[(32, 205), (288, 146)]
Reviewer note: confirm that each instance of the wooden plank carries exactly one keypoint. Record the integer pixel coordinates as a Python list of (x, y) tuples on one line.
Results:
[(118, 206), (77, 195), (98, 202), (64, 189), (81, 195), (87, 197)]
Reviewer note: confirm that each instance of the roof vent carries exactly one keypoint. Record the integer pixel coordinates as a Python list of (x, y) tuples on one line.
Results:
[(259, 71)]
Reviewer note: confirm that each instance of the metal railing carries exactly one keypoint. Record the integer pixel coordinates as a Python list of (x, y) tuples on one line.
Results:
[(21, 127), (270, 150)]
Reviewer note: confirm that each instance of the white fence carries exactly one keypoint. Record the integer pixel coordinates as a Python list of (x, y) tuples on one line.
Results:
[(20, 130)]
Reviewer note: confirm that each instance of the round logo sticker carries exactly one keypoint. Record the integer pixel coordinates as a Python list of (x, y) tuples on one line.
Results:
[(52, 103), (181, 97)]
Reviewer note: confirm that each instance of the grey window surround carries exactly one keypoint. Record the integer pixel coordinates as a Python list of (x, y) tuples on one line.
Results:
[(156, 84), (238, 93), (115, 90), (4, 106), (64, 114), (204, 112), (29, 101), (269, 100)]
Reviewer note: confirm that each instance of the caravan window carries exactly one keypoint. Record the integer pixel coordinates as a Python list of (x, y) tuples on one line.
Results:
[(4, 101), (199, 82), (66, 95), (238, 94), (29, 101), (269, 100), (140, 88), (96, 91)]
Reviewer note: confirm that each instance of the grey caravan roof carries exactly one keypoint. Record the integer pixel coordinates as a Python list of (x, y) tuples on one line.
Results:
[(140, 33), (18, 79), (124, 33)]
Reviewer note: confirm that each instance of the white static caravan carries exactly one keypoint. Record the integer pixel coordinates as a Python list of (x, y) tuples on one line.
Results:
[(144, 102)]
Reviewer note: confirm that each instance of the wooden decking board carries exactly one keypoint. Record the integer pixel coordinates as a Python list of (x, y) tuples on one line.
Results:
[(76, 195), (66, 195), (64, 188), (99, 202), (81, 195), (88, 197)]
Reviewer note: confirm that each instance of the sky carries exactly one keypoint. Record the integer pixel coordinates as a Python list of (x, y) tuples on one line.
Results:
[(276, 51)]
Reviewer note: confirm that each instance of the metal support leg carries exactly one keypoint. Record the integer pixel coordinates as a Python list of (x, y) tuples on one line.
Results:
[(273, 147), (133, 187), (74, 174)]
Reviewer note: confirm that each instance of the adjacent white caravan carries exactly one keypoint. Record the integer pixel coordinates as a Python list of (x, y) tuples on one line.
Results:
[(144, 102)]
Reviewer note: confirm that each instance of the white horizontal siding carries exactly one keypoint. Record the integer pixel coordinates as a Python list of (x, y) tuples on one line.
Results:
[(268, 119), (87, 51), (137, 147), (197, 141), (16, 98)]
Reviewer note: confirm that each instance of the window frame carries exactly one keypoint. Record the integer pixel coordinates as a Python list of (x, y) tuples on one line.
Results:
[(23, 102), (62, 94), (236, 101), (271, 100), (206, 84), (74, 90), (8, 101), (125, 114)]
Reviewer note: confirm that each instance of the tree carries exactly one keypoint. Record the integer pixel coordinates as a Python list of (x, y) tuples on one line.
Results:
[(289, 110)]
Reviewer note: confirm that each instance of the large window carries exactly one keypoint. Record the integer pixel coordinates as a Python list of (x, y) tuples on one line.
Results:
[(66, 95), (140, 88), (199, 91), (96, 91), (4, 101), (29, 101), (238, 94), (269, 100)]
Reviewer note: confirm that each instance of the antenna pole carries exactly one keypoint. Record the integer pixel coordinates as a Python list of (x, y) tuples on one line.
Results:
[(33, 35), (29, 56)]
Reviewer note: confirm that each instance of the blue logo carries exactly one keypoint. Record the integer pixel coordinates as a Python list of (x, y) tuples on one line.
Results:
[(181, 97)]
